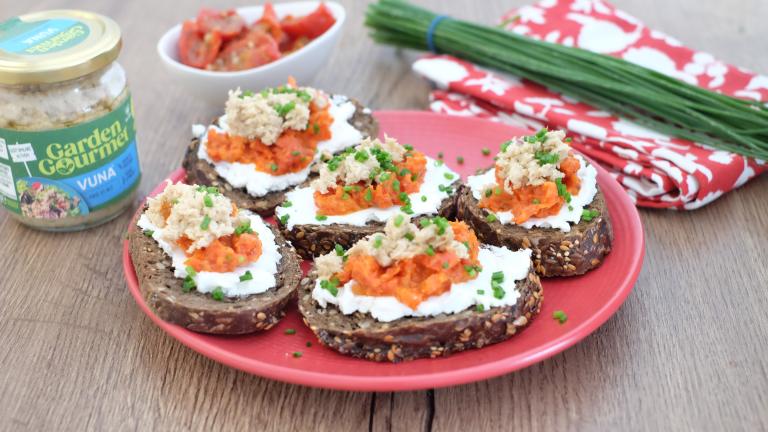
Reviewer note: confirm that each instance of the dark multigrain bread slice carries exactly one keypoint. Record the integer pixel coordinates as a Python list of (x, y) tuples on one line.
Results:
[(359, 335), (199, 312), (555, 253), (204, 173), (314, 240)]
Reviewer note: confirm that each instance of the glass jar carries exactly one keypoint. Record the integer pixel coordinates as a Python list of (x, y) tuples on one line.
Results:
[(68, 158)]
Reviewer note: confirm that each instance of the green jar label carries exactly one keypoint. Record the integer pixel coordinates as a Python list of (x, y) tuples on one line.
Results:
[(72, 171), (41, 37)]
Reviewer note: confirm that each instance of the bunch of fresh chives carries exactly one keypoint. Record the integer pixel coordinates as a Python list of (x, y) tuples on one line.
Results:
[(645, 96)]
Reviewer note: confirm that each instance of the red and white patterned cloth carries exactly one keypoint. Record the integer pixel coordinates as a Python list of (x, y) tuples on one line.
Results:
[(656, 170)]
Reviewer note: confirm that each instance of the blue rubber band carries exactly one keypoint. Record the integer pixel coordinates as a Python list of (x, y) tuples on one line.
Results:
[(431, 32)]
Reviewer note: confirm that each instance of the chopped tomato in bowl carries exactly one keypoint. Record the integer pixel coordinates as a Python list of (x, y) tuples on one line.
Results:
[(249, 47), (224, 41)]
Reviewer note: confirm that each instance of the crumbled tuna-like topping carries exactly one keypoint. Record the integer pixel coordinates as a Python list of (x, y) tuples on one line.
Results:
[(532, 160), (265, 115), (360, 163), (329, 264), (400, 240), (198, 213)]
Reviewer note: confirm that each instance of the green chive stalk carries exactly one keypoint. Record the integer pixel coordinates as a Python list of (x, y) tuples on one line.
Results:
[(644, 96)]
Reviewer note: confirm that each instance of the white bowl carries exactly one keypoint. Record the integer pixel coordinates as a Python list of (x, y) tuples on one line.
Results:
[(212, 87)]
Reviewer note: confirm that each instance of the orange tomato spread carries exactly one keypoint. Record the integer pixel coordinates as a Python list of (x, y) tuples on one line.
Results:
[(532, 201), (293, 151), (224, 254), (415, 279), (386, 189)]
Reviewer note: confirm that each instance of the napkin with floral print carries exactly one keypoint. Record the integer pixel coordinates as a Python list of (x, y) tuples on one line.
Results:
[(655, 169)]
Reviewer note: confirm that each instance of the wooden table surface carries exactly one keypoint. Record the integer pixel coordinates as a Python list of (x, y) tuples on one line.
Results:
[(687, 351)]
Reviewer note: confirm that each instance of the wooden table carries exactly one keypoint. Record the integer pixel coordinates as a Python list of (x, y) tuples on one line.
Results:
[(687, 351)]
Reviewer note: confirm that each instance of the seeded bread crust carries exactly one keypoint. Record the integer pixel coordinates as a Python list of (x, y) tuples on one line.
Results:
[(555, 253), (199, 312), (315, 240), (204, 173), (359, 335)]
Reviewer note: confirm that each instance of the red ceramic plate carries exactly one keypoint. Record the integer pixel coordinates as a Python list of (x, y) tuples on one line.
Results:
[(588, 300)]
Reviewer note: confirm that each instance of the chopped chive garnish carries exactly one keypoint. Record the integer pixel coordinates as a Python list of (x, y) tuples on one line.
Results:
[(321, 217), (339, 249), (497, 191), (488, 193), (188, 284), (409, 236), (286, 204), (408, 147), (568, 139), (284, 109), (205, 223), (315, 128), (438, 163), (295, 153), (546, 158), (430, 251), (562, 190), (491, 217), (481, 292), (466, 244), (273, 167), (284, 219), (440, 155), (396, 185), (331, 286), (377, 242), (190, 271), (297, 354), (423, 198), (309, 344), (244, 227), (497, 276), (480, 308), (448, 176), (368, 196), (498, 291), (536, 201), (246, 276), (425, 223), (560, 316), (208, 201), (399, 220), (460, 160), (149, 233), (589, 214), (446, 264), (290, 331), (486, 151), (217, 294)]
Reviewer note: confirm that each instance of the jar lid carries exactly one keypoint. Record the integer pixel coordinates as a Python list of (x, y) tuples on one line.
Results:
[(57, 45)]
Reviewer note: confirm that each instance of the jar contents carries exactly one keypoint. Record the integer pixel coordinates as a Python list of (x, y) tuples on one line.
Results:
[(68, 157)]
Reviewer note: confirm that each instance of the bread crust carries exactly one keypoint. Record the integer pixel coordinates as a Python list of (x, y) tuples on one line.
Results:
[(555, 253), (199, 312), (202, 172), (359, 335)]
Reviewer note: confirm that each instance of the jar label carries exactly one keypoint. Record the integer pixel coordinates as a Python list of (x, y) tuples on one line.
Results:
[(41, 37), (73, 171)]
